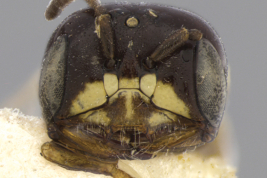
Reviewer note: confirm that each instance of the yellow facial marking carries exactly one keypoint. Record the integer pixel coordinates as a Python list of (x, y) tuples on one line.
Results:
[(92, 96), (111, 83), (148, 84), (97, 26), (165, 97), (130, 44), (129, 105), (158, 119), (129, 83), (98, 117), (152, 13), (132, 22)]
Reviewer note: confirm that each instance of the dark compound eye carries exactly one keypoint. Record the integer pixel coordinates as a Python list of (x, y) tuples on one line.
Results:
[(52, 77), (210, 82)]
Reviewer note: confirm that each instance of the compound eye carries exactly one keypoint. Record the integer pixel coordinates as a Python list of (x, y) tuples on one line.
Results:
[(210, 82), (52, 77)]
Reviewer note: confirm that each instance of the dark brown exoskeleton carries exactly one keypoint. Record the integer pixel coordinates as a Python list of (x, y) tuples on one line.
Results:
[(126, 81)]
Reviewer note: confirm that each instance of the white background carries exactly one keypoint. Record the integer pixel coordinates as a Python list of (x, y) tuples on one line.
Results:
[(242, 25)]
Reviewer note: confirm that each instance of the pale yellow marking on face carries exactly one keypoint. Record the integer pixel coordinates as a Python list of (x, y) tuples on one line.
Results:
[(129, 83), (92, 96), (98, 117), (158, 119), (162, 117), (132, 22), (165, 97), (129, 104), (130, 44), (97, 26), (148, 83), (152, 13), (111, 83)]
